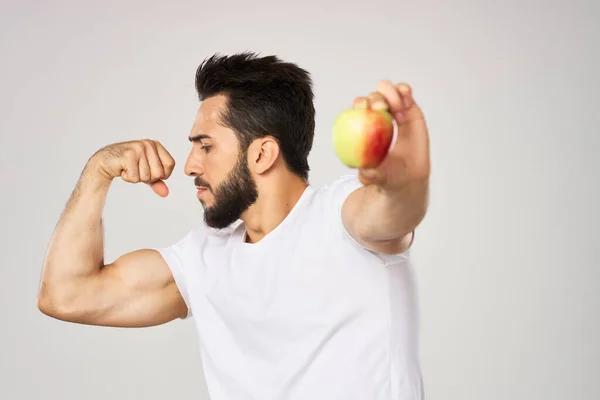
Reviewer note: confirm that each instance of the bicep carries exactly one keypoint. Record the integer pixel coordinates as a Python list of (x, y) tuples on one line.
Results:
[(136, 290)]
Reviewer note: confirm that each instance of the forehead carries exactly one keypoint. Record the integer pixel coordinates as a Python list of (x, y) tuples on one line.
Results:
[(207, 120)]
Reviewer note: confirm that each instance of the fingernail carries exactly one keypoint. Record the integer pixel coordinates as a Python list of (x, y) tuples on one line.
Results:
[(400, 117)]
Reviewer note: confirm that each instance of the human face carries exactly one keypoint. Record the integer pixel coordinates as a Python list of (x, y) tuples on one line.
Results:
[(225, 185)]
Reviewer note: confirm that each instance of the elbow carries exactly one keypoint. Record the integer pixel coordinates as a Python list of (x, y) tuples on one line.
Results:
[(59, 303), (50, 307)]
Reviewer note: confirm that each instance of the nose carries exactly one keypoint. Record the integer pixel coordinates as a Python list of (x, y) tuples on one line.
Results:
[(193, 166)]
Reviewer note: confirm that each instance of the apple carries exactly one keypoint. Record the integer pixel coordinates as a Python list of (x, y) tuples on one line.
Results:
[(362, 136)]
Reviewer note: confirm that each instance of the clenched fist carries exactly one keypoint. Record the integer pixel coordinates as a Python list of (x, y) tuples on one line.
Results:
[(136, 161)]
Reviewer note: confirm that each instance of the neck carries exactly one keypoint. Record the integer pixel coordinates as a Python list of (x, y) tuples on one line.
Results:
[(276, 200)]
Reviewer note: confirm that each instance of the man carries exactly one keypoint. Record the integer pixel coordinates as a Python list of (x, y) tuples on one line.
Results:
[(297, 291)]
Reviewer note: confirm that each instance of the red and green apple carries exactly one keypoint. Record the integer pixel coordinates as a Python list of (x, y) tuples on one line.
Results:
[(362, 136)]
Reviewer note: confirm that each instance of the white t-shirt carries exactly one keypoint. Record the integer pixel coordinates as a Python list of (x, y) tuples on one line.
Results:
[(305, 313)]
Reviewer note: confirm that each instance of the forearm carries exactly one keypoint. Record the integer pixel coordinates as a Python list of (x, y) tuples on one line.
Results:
[(76, 248), (384, 215)]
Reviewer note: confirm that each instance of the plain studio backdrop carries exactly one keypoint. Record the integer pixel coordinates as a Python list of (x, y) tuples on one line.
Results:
[(506, 260)]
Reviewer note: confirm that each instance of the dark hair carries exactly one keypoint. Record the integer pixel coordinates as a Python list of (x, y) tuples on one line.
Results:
[(265, 96)]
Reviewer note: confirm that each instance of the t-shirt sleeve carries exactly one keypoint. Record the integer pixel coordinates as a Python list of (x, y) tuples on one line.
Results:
[(175, 256), (335, 195)]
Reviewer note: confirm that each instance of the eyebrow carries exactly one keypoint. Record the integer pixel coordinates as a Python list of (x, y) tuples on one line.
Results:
[(198, 138)]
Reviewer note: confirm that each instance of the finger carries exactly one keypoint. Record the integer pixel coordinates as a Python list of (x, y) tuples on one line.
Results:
[(130, 170), (406, 94), (361, 102), (377, 101), (166, 160), (392, 96), (412, 111), (156, 167), (144, 168), (160, 188)]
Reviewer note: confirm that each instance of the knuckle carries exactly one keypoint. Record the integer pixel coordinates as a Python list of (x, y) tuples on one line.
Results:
[(130, 155), (151, 147), (403, 87), (138, 146)]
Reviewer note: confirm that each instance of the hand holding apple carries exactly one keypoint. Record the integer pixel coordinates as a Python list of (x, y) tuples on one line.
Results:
[(363, 136)]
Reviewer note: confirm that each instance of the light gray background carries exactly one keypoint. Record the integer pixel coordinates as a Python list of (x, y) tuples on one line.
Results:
[(506, 256)]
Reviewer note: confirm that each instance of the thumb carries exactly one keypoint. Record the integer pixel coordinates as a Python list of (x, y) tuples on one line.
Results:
[(160, 188)]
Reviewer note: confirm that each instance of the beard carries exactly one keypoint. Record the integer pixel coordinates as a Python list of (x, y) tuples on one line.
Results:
[(232, 197)]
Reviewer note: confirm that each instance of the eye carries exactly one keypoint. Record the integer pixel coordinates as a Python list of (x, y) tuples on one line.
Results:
[(206, 148)]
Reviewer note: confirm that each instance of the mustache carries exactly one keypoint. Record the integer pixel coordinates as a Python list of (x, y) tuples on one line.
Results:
[(198, 181)]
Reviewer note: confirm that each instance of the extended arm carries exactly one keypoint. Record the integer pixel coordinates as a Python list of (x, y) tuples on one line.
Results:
[(383, 214)]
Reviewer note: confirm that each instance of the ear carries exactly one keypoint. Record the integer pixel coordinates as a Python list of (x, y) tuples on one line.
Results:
[(262, 154)]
